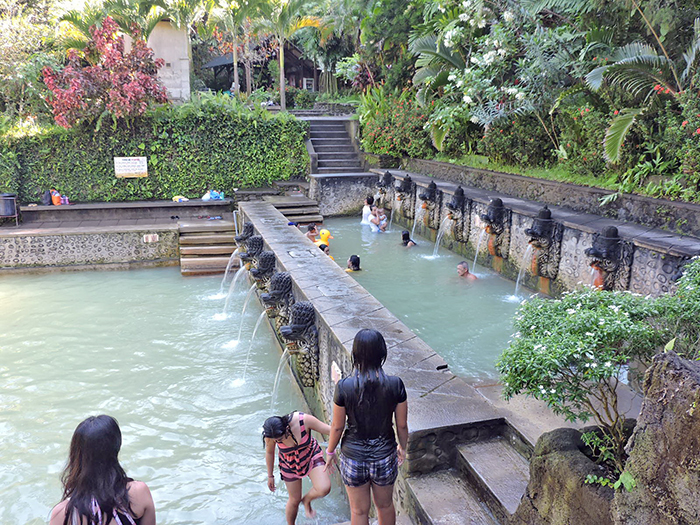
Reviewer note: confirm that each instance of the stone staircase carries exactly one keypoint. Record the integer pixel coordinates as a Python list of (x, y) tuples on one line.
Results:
[(335, 151), (484, 484), (296, 207), (205, 246)]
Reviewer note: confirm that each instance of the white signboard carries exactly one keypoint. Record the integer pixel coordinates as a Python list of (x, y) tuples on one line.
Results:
[(130, 167)]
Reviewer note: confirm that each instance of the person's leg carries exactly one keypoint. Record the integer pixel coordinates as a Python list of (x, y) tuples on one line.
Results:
[(359, 504), (383, 500), (294, 491), (321, 486)]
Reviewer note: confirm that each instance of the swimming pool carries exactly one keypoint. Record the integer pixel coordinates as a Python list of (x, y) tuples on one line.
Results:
[(468, 323), (154, 350)]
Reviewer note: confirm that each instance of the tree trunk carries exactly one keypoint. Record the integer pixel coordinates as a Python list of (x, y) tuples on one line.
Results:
[(237, 89), (283, 101), (248, 67)]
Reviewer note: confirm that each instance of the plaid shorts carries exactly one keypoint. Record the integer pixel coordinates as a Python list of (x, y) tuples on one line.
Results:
[(356, 473)]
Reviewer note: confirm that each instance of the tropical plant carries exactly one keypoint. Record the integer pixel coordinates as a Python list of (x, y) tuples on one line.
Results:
[(119, 84), (283, 18), (648, 77)]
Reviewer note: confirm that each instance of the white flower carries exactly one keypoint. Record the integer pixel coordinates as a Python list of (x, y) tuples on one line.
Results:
[(467, 99), (552, 391), (594, 365), (608, 364), (520, 95), (508, 16), (451, 77), (476, 121), (464, 17), (481, 24), (601, 322), (532, 327), (590, 334)]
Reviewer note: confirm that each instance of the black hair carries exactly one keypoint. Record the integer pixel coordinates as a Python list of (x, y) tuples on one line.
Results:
[(323, 247), (311, 227), (276, 427), (368, 356), (370, 200), (93, 472), (406, 238), (463, 263), (355, 263)]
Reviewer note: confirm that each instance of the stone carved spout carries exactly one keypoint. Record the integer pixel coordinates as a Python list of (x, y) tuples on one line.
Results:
[(456, 205), (611, 260), (254, 246), (242, 239), (265, 267), (301, 338), (496, 222), (541, 232), (404, 187), (429, 195), (545, 236), (279, 297), (386, 181)]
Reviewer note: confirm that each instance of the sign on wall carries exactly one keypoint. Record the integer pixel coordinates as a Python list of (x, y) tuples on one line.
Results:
[(127, 167)]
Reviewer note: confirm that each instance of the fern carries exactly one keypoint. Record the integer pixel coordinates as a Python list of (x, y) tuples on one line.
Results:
[(615, 135)]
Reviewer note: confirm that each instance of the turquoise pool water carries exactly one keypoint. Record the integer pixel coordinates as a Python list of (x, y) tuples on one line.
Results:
[(468, 323), (154, 350)]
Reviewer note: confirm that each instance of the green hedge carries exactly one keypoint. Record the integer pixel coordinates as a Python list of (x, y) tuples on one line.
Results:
[(209, 143)]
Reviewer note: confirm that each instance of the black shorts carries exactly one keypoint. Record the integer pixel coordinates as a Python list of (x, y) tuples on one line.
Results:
[(356, 473)]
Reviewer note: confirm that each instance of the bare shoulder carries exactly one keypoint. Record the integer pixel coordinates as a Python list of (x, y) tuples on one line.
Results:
[(58, 513), (139, 496)]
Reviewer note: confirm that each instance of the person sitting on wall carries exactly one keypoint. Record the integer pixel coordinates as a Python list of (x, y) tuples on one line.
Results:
[(353, 264), (463, 271), (406, 239), (367, 209), (311, 232)]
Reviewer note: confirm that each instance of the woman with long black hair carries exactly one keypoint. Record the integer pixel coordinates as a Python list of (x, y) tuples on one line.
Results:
[(370, 401), (96, 490)]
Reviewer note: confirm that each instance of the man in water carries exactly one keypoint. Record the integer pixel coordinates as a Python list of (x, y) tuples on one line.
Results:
[(311, 232), (463, 271)]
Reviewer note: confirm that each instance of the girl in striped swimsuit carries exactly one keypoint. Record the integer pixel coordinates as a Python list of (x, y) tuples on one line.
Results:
[(299, 455)]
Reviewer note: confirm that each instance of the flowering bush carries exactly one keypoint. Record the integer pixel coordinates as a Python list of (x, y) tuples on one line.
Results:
[(397, 130), (520, 141), (582, 133), (119, 84)]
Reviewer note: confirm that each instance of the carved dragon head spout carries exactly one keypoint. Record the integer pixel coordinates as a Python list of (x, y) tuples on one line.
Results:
[(247, 233), (605, 252), (542, 228), (279, 295), (404, 187), (301, 332), (456, 205), (611, 260), (430, 193), (254, 246), (494, 217), (264, 269), (386, 181)]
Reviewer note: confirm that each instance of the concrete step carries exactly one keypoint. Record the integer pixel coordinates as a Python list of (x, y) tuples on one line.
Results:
[(203, 225), (324, 156), (214, 249), (340, 149), (302, 210), (194, 272), (443, 498), (497, 472), (323, 129), (290, 185), (209, 263), (305, 219), (289, 201), (350, 169), (327, 134), (206, 238), (330, 142), (337, 163)]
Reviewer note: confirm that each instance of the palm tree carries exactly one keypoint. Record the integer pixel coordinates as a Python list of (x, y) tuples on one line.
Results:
[(284, 18), (144, 14), (80, 23), (640, 70), (234, 17)]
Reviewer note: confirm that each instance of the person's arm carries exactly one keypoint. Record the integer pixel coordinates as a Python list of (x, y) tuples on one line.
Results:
[(270, 463), (142, 502), (337, 427), (315, 424), (58, 514), (401, 417)]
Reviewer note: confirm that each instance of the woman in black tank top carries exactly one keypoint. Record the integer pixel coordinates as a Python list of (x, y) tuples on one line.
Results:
[(370, 401)]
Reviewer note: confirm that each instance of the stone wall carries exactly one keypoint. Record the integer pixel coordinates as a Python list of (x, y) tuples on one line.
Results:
[(341, 194), (664, 451), (645, 260), (657, 213), (47, 249)]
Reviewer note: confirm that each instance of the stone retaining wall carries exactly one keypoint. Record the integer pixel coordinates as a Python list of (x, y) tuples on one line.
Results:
[(32, 250), (342, 193), (647, 262), (678, 217)]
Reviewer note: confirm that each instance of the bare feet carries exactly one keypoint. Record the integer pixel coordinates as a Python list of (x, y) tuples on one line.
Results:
[(310, 513)]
